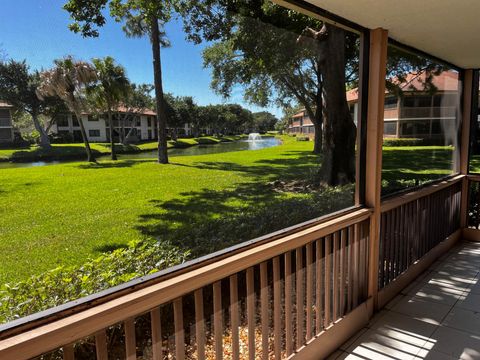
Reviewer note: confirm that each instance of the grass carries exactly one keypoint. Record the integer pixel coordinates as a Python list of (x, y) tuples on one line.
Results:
[(64, 214)]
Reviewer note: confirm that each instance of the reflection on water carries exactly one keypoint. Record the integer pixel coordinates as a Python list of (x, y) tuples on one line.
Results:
[(210, 149), (193, 150)]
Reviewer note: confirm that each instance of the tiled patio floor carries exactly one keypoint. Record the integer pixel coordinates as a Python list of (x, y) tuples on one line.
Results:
[(436, 317)]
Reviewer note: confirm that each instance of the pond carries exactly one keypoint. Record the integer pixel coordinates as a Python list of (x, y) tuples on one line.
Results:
[(193, 150)]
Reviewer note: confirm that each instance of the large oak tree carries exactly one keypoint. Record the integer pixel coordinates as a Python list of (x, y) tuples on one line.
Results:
[(281, 56)]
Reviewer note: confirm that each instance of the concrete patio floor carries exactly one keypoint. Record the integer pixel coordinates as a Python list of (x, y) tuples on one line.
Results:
[(436, 317)]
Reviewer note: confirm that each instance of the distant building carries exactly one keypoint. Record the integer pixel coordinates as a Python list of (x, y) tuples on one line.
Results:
[(6, 126), (416, 114), (142, 127)]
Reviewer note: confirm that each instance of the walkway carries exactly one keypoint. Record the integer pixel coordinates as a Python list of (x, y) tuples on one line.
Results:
[(436, 317)]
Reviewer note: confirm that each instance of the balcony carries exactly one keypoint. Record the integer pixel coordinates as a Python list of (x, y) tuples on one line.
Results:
[(427, 112), (301, 293)]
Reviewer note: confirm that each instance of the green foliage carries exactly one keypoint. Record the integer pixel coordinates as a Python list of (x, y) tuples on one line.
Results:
[(63, 284), (207, 140), (402, 142), (303, 138)]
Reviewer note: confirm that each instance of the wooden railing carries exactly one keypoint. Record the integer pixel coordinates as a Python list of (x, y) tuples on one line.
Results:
[(414, 223), (265, 302), (473, 210)]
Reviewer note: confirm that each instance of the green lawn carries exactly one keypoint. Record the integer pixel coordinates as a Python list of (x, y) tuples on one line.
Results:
[(64, 214)]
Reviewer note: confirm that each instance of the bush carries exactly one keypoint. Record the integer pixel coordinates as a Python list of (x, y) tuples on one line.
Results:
[(303, 138), (64, 284), (207, 140), (402, 142)]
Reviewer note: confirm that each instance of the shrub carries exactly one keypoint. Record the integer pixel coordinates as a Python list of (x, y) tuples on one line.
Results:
[(303, 138), (63, 284), (207, 140), (402, 142)]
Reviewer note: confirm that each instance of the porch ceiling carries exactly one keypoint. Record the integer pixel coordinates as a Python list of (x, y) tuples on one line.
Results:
[(447, 29)]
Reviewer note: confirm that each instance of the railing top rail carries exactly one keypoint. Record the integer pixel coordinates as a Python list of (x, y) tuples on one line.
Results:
[(82, 324), (405, 198), (474, 177)]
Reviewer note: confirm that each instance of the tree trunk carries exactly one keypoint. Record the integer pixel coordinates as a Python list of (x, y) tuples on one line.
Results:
[(338, 166), (112, 141), (44, 139), (90, 156), (157, 72)]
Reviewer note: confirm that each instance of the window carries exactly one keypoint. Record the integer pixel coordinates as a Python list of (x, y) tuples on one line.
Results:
[(5, 117), (391, 102), (62, 120), (137, 121), (426, 90), (75, 120), (94, 133), (390, 128), (5, 134)]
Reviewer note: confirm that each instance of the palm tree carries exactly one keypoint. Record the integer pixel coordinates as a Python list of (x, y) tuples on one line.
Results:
[(109, 91), (68, 80)]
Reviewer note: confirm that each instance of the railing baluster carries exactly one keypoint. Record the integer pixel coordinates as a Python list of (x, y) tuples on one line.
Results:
[(234, 315), (251, 313), (335, 275), (288, 303), (217, 319), (179, 330), (101, 345), (277, 311), (264, 308), (319, 286), (381, 260), (299, 274), (351, 237), (156, 334), (68, 353), (309, 266), (356, 244), (199, 324), (328, 279), (130, 342), (343, 270)]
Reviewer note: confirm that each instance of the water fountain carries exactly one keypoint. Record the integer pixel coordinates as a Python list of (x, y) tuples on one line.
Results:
[(254, 137)]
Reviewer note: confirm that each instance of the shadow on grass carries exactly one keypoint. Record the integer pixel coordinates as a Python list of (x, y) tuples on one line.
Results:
[(111, 165), (409, 168), (110, 247), (208, 220), (298, 168)]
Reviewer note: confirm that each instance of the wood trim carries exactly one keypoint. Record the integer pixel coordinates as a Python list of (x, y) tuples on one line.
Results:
[(471, 234), (473, 177), (467, 93), (373, 174), (402, 199), (329, 340), (405, 279)]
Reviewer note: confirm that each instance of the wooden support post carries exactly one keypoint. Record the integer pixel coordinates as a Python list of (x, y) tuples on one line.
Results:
[(373, 173), (462, 164)]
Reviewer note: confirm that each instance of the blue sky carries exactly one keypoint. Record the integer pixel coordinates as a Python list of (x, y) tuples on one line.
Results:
[(36, 30)]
